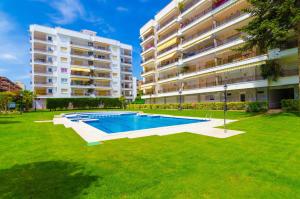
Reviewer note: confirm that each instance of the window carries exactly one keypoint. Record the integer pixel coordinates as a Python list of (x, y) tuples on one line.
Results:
[(91, 63), (49, 80), (90, 53), (64, 59), (90, 44), (50, 60), (64, 91), (49, 38), (64, 70), (50, 90), (63, 49), (64, 80), (50, 70)]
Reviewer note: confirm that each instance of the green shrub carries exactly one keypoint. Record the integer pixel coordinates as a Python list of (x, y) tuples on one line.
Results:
[(82, 103), (257, 107), (248, 106), (290, 105)]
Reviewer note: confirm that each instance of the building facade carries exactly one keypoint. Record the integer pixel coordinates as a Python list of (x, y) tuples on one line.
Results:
[(67, 63), (8, 85), (189, 54)]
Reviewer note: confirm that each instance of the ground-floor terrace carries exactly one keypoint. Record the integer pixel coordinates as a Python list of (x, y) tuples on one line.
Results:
[(272, 94)]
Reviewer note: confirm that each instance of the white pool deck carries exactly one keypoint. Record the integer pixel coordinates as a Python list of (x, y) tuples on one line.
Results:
[(93, 135)]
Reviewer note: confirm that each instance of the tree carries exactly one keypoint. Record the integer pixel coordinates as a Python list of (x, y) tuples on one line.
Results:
[(275, 23), (26, 97), (122, 99), (5, 98)]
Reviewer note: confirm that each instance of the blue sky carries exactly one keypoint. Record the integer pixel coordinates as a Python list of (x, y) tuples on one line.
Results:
[(116, 19)]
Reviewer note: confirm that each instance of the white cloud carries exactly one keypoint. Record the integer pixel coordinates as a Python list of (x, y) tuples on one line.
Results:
[(7, 56), (14, 46), (67, 11), (122, 9)]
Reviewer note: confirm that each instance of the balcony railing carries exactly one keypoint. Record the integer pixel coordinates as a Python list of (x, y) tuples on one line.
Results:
[(189, 5), (166, 22), (196, 17), (202, 13), (167, 63), (167, 77), (147, 59), (43, 61), (167, 49), (167, 35), (219, 43), (192, 53), (149, 81), (189, 38)]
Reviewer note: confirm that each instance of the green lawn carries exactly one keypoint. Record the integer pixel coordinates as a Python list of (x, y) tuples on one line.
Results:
[(40, 160)]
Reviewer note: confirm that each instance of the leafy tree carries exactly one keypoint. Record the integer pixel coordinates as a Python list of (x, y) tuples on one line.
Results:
[(27, 98), (5, 98), (122, 99)]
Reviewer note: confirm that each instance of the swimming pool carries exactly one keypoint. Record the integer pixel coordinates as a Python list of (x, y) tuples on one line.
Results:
[(116, 123)]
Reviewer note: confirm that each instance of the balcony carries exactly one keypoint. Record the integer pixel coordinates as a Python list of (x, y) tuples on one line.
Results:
[(168, 90), (226, 21), (164, 51), (126, 62), (196, 52), (196, 17), (167, 77), (101, 76), (165, 37), (167, 23), (235, 39), (42, 51), (42, 61), (147, 49)]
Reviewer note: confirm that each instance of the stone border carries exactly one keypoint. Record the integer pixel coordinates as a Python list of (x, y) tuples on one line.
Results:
[(94, 136)]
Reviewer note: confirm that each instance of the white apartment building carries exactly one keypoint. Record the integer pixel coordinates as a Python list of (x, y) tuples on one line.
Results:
[(68, 64), (188, 54)]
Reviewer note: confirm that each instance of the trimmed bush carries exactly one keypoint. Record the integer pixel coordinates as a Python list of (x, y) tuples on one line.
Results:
[(257, 107), (247, 106), (290, 105), (82, 103)]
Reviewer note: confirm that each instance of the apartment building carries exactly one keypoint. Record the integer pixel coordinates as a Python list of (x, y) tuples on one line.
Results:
[(67, 63), (189, 54), (8, 85)]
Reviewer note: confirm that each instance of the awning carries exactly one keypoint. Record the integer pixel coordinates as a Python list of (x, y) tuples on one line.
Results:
[(80, 69), (166, 57), (167, 44), (80, 79), (196, 42)]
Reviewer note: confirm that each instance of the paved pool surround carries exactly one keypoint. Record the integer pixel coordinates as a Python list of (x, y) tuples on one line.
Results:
[(94, 136)]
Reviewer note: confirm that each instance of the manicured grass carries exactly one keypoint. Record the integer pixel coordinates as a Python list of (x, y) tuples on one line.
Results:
[(40, 160)]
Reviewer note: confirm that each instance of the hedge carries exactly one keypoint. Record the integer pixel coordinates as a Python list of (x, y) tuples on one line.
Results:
[(290, 105), (247, 106), (82, 103)]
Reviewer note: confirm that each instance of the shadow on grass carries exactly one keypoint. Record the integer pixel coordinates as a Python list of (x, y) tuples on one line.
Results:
[(9, 122), (51, 179)]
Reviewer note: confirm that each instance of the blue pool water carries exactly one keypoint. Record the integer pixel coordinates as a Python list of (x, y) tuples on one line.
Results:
[(130, 122)]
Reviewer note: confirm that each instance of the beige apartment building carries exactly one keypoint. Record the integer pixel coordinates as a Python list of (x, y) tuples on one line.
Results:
[(188, 53)]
